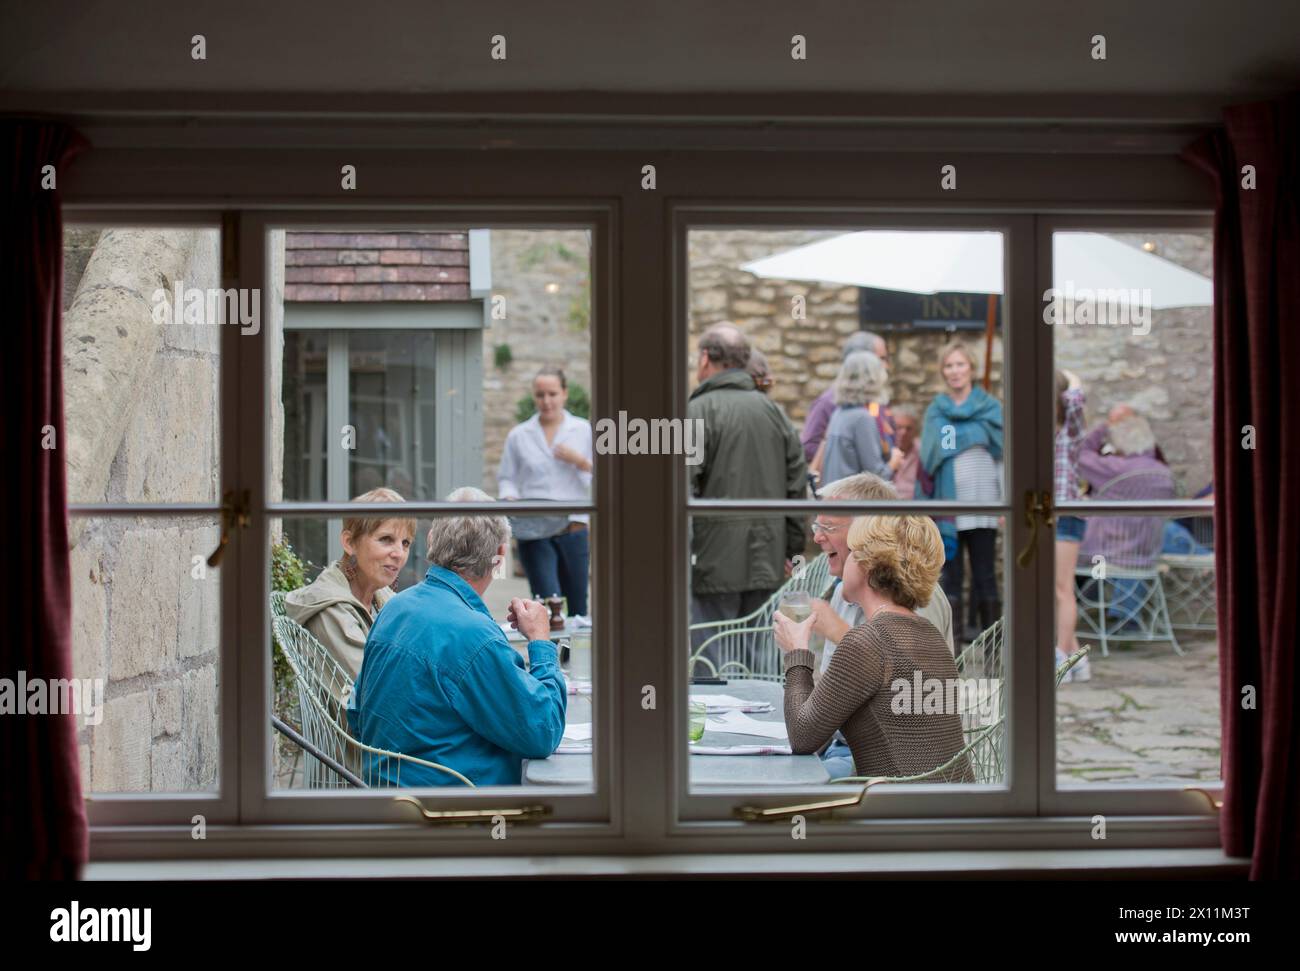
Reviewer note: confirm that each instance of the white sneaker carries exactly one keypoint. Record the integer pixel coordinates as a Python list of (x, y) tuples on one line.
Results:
[(1081, 671)]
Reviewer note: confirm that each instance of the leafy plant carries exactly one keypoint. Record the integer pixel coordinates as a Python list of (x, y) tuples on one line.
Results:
[(579, 404), (502, 356)]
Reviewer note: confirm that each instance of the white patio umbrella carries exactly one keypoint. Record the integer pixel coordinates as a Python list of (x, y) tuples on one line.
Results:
[(971, 262)]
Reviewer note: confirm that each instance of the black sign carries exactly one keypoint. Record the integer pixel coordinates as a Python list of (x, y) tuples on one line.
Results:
[(895, 310)]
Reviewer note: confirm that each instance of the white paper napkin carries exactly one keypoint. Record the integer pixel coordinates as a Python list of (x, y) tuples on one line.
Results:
[(738, 723)]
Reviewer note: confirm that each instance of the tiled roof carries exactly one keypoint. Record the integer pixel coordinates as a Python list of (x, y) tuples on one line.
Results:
[(371, 267)]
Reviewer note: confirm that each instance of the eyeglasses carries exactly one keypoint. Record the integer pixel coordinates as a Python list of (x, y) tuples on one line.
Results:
[(825, 528)]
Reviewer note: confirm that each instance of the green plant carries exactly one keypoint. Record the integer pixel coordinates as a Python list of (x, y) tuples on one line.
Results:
[(502, 356), (288, 572), (579, 404)]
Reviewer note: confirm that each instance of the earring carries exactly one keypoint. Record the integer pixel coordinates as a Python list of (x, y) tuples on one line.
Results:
[(349, 567)]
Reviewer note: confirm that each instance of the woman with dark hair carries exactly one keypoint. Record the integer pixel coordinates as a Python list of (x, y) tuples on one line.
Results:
[(961, 449), (549, 456)]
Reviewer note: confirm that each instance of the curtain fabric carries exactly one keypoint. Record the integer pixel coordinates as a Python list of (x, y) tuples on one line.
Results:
[(1257, 490), (42, 816)]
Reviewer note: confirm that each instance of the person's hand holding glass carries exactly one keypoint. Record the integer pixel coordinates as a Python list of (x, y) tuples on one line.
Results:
[(791, 636)]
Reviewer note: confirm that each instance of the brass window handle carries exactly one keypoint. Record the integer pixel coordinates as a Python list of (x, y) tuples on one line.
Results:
[(1038, 509), (234, 512), (452, 817)]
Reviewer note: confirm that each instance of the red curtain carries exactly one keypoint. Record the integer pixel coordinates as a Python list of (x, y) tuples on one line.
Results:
[(42, 816), (1257, 490)]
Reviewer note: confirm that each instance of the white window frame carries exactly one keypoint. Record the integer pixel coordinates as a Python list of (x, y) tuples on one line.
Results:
[(637, 336)]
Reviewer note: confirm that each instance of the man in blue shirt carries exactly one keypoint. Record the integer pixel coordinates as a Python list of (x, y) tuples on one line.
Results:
[(439, 680)]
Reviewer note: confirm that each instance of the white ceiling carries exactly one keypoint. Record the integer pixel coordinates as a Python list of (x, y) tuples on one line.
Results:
[(1225, 50)]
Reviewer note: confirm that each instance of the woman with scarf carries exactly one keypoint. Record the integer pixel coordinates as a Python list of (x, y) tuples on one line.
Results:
[(961, 449)]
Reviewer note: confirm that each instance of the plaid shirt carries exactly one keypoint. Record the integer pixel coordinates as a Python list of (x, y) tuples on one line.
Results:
[(1069, 439)]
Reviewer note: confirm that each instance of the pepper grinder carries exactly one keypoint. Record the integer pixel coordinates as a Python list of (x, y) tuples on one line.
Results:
[(556, 603)]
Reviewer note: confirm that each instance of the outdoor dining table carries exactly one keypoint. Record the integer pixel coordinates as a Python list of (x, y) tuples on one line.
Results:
[(706, 770)]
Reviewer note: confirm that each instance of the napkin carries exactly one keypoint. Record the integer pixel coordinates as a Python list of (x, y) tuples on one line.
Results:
[(740, 749), (738, 723), (717, 704), (573, 748), (578, 731)]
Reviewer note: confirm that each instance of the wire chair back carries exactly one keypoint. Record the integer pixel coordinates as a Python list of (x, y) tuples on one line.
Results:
[(324, 689)]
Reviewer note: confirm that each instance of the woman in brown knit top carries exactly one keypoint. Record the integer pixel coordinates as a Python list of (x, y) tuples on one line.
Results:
[(894, 564)]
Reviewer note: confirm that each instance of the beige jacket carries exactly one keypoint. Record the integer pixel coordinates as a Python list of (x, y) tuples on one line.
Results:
[(328, 608)]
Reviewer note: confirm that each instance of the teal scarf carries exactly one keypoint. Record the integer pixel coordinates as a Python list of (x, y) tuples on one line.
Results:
[(949, 429)]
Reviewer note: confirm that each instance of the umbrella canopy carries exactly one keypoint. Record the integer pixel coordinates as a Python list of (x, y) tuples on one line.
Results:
[(971, 262)]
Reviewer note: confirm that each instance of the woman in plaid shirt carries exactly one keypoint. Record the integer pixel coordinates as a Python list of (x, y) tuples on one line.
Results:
[(1069, 529)]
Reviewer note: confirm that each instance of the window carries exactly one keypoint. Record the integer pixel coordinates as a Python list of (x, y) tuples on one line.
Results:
[(624, 262)]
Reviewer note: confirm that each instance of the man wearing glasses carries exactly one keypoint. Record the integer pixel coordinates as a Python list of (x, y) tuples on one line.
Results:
[(833, 616)]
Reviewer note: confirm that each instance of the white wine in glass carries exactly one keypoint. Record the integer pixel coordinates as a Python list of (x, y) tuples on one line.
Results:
[(797, 605)]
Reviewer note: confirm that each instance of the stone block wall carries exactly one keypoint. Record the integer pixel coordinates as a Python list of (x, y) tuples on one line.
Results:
[(142, 426)]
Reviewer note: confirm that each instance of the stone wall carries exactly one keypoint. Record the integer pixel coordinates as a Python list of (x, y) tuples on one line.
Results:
[(141, 426)]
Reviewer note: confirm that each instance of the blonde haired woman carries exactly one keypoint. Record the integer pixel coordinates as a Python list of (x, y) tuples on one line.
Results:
[(892, 569), (961, 450), (341, 604)]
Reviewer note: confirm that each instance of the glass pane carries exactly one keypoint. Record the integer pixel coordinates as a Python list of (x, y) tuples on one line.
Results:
[(492, 719), (146, 646), (411, 356), (846, 331), (1133, 336), (142, 310), (900, 680)]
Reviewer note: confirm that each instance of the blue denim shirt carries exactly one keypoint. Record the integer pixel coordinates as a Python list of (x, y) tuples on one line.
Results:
[(440, 681)]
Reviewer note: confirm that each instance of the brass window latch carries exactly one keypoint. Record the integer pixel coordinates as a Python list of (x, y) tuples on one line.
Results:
[(1038, 510), (453, 817), (234, 512)]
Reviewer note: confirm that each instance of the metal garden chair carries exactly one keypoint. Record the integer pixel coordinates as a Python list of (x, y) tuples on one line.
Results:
[(986, 744), (744, 647), (1121, 596), (277, 604), (323, 687)]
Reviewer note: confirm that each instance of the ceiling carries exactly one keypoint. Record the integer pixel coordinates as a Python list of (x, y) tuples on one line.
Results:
[(942, 52)]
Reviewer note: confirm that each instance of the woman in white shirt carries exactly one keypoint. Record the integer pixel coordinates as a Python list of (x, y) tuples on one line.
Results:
[(549, 456)]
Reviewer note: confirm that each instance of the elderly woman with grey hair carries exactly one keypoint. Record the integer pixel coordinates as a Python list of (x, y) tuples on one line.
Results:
[(441, 682), (853, 442)]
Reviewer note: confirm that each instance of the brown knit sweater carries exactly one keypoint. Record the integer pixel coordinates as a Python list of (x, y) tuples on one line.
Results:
[(854, 695)]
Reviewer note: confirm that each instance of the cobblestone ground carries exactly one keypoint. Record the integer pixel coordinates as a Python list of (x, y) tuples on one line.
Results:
[(1146, 716)]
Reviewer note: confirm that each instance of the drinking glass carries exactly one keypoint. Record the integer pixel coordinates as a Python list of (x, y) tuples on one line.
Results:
[(796, 604), (699, 712), (580, 656)]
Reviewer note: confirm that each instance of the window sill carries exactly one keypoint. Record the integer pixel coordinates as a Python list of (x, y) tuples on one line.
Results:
[(1166, 864)]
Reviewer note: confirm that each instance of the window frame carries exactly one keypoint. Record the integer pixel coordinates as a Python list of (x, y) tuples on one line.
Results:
[(1100, 798), (149, 181)]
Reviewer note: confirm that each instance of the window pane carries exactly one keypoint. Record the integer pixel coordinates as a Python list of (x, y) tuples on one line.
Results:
[(409, 356), (805, 300), (146, 642), (1133, 334), (898, 693), (469, 721), (141, 347)]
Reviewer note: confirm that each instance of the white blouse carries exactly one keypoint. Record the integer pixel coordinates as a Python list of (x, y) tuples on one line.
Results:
[(530, 470)]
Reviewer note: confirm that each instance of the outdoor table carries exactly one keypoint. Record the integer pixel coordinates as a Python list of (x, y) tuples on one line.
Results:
[(706, 770)]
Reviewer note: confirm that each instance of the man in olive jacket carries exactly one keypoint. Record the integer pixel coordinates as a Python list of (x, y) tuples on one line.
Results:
[(751, 451)]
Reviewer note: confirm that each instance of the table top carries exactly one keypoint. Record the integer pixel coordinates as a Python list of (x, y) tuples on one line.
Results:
[(706, 770)]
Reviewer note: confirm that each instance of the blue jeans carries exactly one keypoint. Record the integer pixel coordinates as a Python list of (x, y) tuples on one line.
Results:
[(1178, 540), (558, 564), (838, 760)]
